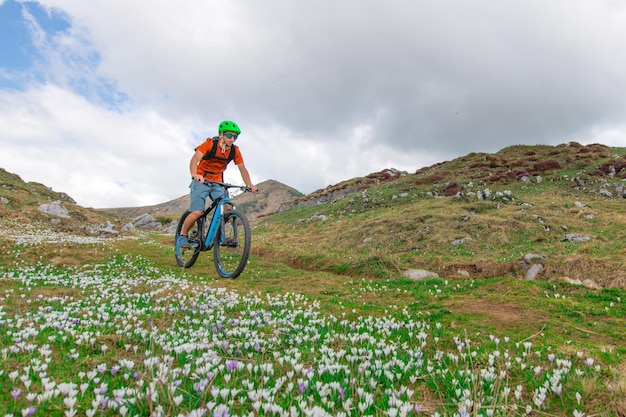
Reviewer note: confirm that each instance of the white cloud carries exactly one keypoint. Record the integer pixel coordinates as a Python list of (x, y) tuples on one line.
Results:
[(324, 91), (102, 158)]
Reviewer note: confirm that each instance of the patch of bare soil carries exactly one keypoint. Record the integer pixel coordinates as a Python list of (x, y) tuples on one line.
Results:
[(496, 311)]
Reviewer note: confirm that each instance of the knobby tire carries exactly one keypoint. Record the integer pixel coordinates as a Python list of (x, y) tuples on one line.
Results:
[(231, 248), (187, 257)]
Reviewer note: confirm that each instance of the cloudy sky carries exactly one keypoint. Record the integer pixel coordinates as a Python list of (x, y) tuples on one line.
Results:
[(106, 99)]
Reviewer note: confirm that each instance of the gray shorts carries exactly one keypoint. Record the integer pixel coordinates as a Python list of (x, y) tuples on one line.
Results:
[(200, 191)]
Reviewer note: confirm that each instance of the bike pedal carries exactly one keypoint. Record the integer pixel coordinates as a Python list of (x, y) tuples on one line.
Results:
[(230, 242)]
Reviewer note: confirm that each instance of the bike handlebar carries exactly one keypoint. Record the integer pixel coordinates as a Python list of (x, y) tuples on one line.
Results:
[(226, 185)]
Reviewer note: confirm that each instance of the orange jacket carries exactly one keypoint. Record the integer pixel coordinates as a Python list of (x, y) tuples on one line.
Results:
[(213, 169)]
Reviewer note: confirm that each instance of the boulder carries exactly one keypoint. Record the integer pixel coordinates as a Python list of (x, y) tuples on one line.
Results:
[(533, 272), (171, 229), (419, 274), (128, 228), (55, 209), (575, 238), (146, 222), (461, 241)]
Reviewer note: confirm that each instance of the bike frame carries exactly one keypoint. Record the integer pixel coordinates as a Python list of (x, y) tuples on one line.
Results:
[(217, 221)]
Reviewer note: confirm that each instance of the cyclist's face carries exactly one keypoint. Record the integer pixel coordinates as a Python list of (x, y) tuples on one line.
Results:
[(229, 138)]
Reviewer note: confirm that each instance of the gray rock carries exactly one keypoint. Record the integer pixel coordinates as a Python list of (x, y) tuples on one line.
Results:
[(461, 241), (533, 272), (572, 281), (107, 229), (55, 209), (591, 284), (128, 228), (146, 222), (533, 258), (575, 238), (419, 274), (317, 217), (532, 263), (67, 198), (171, 229)]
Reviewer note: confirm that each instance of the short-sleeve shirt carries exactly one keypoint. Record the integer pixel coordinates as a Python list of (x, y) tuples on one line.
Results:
[(212, 169)]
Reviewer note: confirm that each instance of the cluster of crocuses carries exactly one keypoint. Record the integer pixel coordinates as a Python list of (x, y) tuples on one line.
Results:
[(37, 233), (123, 338)]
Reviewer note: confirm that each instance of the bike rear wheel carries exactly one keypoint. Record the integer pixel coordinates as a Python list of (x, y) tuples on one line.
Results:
[(231, 248), (186, 257)]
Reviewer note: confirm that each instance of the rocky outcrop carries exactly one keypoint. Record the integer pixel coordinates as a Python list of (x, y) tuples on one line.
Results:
[(419, 274), (142, 222), (343, 189), (146, 222), (55, 209)]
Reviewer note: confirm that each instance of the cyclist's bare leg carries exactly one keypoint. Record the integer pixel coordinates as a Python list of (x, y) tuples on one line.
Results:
[(189, 221)]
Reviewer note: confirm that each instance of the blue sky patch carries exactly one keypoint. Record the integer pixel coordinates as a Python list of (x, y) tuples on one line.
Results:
[(15, 44), (17, 52)]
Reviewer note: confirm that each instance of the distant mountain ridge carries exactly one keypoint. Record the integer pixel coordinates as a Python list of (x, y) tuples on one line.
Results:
[(272, 194)]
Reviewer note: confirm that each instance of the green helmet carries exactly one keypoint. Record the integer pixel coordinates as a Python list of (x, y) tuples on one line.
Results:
[(228, 126)]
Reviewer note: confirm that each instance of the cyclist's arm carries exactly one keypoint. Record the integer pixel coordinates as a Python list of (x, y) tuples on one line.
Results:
[(193, 166), (245, 176)]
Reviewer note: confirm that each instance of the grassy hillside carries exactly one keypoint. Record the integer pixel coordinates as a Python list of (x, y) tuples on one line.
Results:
[(533, 198), (323, 321), (20, 202)]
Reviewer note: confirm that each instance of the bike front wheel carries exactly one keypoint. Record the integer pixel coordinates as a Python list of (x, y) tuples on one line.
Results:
[(231, 247), (187, 256)]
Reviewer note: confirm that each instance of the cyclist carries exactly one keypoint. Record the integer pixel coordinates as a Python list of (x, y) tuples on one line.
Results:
[(208, 163)]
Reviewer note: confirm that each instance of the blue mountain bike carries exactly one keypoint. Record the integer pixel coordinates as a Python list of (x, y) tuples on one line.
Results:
[(227, 232)]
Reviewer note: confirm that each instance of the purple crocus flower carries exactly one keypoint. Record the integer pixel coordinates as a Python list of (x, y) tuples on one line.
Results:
[(301, 387), (200, 385), (232, 365), (16, 393)]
